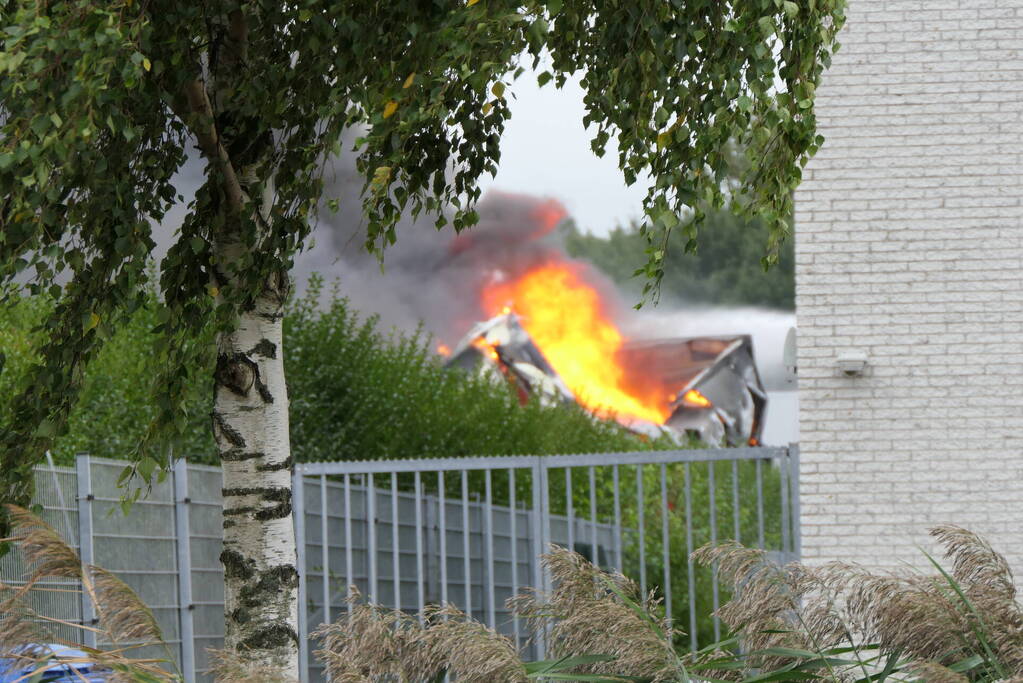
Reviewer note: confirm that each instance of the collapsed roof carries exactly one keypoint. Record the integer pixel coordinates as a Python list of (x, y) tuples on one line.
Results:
[(717, 393)]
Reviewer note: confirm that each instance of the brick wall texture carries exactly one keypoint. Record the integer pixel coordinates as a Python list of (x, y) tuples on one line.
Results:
[(909, 243)]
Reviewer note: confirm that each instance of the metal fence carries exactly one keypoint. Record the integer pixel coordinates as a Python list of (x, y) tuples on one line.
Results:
[(410, 533), (470, 531), (177, 526)]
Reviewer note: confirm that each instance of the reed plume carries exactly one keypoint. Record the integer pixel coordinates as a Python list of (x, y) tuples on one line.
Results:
[(927, 623), (592, 612), (373, 643), (124, 622)]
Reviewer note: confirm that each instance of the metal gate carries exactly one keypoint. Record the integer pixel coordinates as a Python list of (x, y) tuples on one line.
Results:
[(469, 531)]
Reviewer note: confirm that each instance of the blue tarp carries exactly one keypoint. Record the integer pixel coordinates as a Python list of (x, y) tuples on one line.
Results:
[(56, 670)]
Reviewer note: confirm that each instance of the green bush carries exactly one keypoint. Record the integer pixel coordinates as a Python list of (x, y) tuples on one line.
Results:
[(357, 393), (114, 406), (360, 394)]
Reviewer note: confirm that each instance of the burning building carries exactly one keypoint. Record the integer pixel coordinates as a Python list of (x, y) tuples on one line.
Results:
[(552, 325), (552, 338)]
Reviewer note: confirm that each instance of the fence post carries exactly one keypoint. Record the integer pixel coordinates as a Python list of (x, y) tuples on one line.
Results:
[(83, 470), (541, 534), (182, 539), (797, 534), (784, 469), (298, 511)]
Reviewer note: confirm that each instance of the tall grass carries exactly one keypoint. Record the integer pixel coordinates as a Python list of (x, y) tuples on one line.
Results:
[(835, 623), (124, 624)]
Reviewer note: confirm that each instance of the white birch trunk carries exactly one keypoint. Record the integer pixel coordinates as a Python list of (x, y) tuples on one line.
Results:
[(250, 423)]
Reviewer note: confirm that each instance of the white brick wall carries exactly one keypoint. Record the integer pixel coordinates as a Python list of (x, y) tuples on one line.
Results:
[(909, 247)]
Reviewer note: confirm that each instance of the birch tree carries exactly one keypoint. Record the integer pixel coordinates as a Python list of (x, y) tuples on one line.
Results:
[(101, 102)]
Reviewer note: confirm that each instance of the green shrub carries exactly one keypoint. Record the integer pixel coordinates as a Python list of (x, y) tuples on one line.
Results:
[(361, 394), (114, 406), (356, 393)]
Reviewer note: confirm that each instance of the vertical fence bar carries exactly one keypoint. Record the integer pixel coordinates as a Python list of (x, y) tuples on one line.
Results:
[(760, 504), (617, 518), (371, 536), (665, 541), (325, 548), (466, 544), (182, 541), (541, 511), (640, 500), (593, 518), (797, 532), (59, 490), (298, 508), (783, 473), (736, 517), (420, 588), (83, 470), (395, 548), (715, 592), (514, 532), (442, 532), (690, 578), (488, 530), (570, 508), (349, 541)]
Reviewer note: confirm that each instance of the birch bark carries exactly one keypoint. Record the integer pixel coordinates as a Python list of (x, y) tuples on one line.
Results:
[(250, 423)]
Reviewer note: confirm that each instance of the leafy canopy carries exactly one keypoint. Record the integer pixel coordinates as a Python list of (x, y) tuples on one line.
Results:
[(100, 103)]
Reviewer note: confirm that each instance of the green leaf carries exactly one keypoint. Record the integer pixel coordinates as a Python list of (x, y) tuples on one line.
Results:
[(146, 467), (554, 7), (791, 9), (565, 663), (980, 629)]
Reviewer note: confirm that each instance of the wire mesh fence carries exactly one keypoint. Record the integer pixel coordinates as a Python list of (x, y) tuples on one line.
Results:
[(410, 533)]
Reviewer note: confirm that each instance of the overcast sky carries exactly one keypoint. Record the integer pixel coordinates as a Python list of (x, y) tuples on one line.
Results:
[(546, 151)]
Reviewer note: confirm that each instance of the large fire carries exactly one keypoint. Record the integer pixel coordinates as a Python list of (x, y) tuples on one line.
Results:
[(569, 322)]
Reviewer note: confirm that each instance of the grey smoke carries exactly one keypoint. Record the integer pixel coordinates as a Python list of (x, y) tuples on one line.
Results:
[(433, 278)]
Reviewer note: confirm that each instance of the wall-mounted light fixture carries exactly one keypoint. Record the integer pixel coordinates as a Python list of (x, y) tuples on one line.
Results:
[(852, 364)]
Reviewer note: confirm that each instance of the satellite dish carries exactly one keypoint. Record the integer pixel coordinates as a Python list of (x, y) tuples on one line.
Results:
[(789, 355)]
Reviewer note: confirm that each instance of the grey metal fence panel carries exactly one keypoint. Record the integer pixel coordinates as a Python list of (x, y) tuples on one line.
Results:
[(57, 487), (206, 532), (415, 532)]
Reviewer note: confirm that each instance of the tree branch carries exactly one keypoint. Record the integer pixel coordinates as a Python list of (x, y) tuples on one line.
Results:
[(197, 113)]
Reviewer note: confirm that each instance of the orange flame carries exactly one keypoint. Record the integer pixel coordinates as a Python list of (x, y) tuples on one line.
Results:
[(444, 350), (695, 399), (548, 214), (486, 347), (567, 320)]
